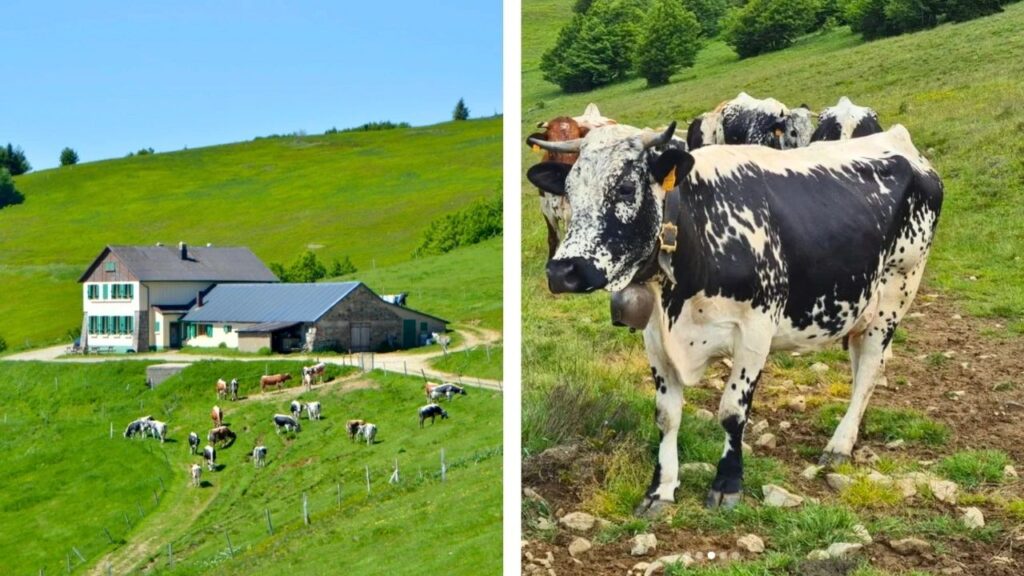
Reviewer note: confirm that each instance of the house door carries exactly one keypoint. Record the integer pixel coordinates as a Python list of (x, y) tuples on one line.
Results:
[(175, 333), (360, 337), (408, 333)]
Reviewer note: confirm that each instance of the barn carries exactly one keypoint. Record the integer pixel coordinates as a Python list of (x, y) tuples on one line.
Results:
[(339, 316)]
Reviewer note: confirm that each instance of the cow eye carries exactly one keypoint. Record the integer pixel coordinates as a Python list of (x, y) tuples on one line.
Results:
[(627, 190), (792, 133)]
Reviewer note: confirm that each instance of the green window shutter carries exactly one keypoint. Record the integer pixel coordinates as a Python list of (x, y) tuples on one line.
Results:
[(122, 322), (131, 291), (103, 324), (157, 326), (209, 330), (106, 291), (227, 329), (130, 320), (115, 291)]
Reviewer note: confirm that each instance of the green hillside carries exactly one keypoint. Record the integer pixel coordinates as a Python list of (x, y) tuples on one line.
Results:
[(957, 88), (367, 195), (79, 482)]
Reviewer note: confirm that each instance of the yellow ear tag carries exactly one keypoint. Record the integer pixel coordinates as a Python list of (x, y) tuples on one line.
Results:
[(536, 148), (670, 180)]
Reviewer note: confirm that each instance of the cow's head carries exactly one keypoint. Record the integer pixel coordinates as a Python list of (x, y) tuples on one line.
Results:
[(616, 189), (797, 128), (560, 129)]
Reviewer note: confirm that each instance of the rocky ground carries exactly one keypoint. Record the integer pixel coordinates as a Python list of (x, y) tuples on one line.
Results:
[(962, 372)]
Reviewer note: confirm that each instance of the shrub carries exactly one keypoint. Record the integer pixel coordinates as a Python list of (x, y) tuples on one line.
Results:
[(963, 10), (345, 266), (767, 25), (670, 41), (595, 48), (3, 344), (474, 223), (9, 195), (709, 13), (909, 15), (68, 157), (264, 351), (13, 159)]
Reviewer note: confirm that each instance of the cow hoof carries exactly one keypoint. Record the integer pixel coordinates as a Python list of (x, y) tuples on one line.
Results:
[(652, 507), (725, 501), (832, 459)]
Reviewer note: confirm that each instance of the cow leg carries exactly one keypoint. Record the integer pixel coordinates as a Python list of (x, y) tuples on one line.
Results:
[(668, 412), (733, 413)]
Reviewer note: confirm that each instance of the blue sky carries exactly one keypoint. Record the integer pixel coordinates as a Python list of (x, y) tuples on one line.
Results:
[(107, 77)]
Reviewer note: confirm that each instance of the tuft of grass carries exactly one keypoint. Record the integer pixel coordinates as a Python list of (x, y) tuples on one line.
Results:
[(1015, 509), (886, 424), (863, 493), (973, 468), (936, 360), (626, 529), (771, 563), (626, 478)]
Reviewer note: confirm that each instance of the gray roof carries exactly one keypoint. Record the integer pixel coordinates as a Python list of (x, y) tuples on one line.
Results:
[(266, 327), (202, 264), (269, 302)]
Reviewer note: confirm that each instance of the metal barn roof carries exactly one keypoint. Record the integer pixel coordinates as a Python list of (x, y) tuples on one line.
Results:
[(262, 303)]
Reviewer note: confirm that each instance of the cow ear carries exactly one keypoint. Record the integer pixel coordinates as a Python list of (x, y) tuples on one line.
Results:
[(549, 177), (805, 106), (671, 167), (535, 136)]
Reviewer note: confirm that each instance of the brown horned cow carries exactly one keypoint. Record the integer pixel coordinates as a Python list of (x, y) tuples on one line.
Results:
[(273, 380)]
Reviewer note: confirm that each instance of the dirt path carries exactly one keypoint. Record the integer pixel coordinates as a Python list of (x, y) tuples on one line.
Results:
[(965, 372)]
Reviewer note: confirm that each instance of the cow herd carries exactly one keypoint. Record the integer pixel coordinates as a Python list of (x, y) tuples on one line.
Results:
[(760, 232), (221, 435)]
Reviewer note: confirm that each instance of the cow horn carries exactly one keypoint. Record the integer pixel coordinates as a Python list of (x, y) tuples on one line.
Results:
[(652, 138), (562, 146)]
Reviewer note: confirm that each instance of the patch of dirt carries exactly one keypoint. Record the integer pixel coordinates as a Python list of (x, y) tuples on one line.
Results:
[(946, 351)]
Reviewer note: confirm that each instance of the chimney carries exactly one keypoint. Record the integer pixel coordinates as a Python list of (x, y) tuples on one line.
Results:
[(184, 250), (199, 299)]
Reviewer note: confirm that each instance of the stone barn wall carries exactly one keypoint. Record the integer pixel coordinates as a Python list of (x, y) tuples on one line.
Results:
[(363, 307)]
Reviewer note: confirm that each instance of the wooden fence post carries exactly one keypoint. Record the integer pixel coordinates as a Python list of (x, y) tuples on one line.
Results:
[(394, 475), (270, 525), (231, 549), (305, 509), (339, 495), (444, 467), (111, 428), (367, 480)]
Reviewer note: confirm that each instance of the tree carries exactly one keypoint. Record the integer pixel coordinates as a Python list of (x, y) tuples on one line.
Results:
[(68, 157), (709, 13), (342, 268), (306, 269), (9, 195), (767, 25), (3, 344), (964, 10), (670, 41), (460, 112), (13, 159), (595, 48)]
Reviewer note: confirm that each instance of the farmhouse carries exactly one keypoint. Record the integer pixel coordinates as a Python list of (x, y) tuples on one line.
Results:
[(140, 298), (133, 297), (342, 316)]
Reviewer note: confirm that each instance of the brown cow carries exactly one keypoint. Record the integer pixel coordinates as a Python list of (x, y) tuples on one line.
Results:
[(221, 434), (428, 388), (217, 415), (353, 426), (273, 380), (222, 389), (556, 208)]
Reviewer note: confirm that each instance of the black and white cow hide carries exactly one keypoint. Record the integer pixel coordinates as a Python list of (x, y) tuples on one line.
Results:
[(844, 121), (772, 251)]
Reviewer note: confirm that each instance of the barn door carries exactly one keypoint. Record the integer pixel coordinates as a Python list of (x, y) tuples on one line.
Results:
[(408, 333), (360, 337), (175, 333)]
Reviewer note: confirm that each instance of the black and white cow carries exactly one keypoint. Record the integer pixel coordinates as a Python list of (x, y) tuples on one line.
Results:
[(286, 422), (846, 120), (369, 432), (259, 456), (447, 390), (193, 443), (748, 120), (157, 429), (233, 388), (136, 428), (754, 250), (313, 411), (296, 409), (432, 411), (195, 472), (210, 457)]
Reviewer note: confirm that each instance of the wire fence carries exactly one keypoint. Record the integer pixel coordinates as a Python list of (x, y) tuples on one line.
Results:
[(369, 361)]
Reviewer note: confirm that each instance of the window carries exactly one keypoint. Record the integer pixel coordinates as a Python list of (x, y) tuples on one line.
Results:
[(209, 330), (227, 329), (156, 326), (92, 291), (110, 267), (115, 291)]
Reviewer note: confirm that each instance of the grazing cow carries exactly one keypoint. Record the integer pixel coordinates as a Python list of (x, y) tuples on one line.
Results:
[(193, 443), (310, 373), (222, 435), (447, 391), (844, 121), (259, 456), (217, 415), (233, 388), (157, 429), (369, 432), (352, 427), (754, 250), (748, 120), (222, 389), (296, 408), (136, 428), (286, 422), (277, 380), (313, 411), (428, 389), (195, 472), (210, 456), (432, 411)]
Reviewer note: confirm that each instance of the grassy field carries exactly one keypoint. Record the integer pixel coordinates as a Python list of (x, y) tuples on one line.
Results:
[(480, 361), (137, 490), (366, 195), (957, 88)]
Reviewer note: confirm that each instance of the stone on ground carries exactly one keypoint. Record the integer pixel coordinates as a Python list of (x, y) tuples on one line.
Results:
[(704, 414), (579, 546), (862, 534), (843, 549), (910, 546), (696, 467), (973, 518), (811, 472), (766, 440), (819, 367), (838, 482), (779, 497), (643, 544), (797, 404), (579, 521), (751, 543), (943, 490)]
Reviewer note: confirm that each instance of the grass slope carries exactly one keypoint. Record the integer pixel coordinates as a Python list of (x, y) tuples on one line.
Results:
[(367, 195), (957, 88), (118, 476)]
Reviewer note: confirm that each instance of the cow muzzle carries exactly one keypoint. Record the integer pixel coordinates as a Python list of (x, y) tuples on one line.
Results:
[(574, 275)]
